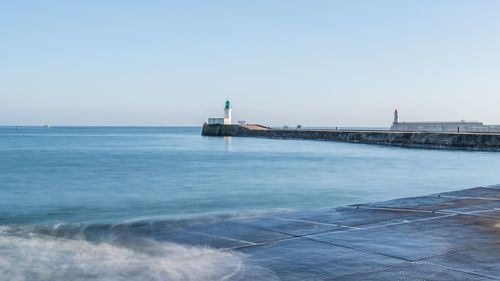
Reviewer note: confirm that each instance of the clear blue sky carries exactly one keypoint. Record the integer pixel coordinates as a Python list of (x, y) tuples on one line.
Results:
[(323, 63)]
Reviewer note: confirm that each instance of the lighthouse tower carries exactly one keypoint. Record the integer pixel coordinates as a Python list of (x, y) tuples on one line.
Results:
[(227, 113), (396, 117)]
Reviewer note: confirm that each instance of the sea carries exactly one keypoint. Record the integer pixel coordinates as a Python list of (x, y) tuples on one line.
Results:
[(71, 197)]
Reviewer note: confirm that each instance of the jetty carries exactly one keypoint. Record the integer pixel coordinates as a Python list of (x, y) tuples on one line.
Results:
[(461, 135), (482, 141), (446, 236)]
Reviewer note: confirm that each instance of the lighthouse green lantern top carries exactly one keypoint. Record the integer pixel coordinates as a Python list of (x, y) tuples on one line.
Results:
[(228, 104)]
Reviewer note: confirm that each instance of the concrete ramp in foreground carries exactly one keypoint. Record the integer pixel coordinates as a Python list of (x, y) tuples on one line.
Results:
[(447, 236)]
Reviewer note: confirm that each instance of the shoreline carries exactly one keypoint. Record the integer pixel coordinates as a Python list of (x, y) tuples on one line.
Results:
[(446, 236)]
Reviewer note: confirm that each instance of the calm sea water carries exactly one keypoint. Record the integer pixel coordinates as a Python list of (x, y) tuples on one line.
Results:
[(57, 182)]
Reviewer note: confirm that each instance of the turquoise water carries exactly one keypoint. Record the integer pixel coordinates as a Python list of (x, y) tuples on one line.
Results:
[(59, 181)]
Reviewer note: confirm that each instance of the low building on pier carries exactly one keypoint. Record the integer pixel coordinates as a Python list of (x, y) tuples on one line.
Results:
[(436, 126)]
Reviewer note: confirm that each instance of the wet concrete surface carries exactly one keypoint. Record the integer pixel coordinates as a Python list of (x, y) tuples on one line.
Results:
[(447, 236)]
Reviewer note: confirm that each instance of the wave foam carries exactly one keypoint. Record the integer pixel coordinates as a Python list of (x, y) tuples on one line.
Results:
[(45, 258)]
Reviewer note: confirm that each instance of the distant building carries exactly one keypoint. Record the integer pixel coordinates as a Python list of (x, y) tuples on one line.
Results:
[(457, 126), (227, 116)]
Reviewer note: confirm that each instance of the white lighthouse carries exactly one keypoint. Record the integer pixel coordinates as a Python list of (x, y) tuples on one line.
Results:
[(227, 116), (227, 113), (396, 117)]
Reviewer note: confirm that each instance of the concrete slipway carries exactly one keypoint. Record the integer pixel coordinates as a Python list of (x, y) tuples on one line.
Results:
[(447, 236)]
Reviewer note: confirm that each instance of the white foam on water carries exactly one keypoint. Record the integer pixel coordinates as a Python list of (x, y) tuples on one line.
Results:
[(45, 258), (189, 220)]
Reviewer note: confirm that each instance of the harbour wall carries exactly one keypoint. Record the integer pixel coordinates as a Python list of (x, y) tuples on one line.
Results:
[(463, 127), (458, 141)]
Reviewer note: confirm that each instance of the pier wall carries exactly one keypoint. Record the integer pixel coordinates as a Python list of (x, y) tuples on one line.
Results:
[(461, 141)]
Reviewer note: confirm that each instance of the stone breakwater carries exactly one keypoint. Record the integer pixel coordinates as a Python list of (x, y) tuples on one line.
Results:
[(459, 141)]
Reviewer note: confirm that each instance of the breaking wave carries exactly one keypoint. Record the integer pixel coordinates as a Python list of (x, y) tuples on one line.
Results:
[(27, 255)]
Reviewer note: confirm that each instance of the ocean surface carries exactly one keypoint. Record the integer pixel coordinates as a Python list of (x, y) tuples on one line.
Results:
[(72, 197)]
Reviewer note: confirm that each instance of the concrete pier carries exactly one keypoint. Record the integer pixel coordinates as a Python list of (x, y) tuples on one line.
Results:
[(447, 236), (461, 141)]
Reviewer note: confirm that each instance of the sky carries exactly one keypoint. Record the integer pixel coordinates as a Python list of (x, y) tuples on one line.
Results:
[(280, 62)]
